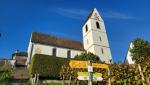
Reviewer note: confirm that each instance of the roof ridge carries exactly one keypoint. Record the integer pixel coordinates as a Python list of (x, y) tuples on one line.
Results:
[(63, 38)]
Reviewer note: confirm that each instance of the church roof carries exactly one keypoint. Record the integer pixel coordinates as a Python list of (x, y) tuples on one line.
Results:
[(56, 41), (89, 15)]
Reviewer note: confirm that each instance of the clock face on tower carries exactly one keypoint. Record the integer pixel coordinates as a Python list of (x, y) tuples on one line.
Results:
[(96, 17)]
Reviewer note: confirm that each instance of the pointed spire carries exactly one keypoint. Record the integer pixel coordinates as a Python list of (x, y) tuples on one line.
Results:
[(91, 13)]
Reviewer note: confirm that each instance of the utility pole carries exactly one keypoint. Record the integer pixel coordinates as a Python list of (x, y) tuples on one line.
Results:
[(90, 70)]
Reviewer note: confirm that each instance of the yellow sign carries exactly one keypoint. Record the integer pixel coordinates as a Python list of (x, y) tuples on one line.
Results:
[(84, 64), (97, 74), (96, 65), (87, 74), (83, 74), (78, 64)]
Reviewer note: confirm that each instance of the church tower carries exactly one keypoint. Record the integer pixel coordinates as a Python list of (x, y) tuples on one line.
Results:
[(95, 37)]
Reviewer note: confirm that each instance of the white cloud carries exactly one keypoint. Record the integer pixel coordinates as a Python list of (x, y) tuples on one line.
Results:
[(117, 15), (72, 13), (82, 13)]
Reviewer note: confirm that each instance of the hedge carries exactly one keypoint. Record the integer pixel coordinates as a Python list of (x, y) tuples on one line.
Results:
[(47, 66)]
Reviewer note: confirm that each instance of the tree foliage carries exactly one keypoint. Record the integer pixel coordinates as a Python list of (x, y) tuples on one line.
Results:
[(88, 56), (141, 48)]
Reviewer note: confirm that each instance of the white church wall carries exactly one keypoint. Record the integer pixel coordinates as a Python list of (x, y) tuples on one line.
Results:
[(47, 50), (100, 38), (88, 23), (88, 40), (105, 55)]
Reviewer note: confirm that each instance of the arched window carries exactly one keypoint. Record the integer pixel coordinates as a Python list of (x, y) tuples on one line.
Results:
[(97, 25), (86, 28)]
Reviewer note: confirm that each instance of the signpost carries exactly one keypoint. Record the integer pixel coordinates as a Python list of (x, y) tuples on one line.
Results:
[(84, 64), (87, 78), (88, 75), (78, 64), (96, 65)]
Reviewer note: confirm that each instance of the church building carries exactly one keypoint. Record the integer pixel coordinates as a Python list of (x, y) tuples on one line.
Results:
[(94, 40)]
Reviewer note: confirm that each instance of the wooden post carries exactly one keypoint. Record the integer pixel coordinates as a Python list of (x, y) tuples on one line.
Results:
[(63, 80), (70, 80), (90, 73), (77, 82), (37, 78), (141, 73), (109, 80)]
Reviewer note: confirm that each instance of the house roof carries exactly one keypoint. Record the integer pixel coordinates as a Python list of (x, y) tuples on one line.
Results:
[(20, 54), (56, 41)]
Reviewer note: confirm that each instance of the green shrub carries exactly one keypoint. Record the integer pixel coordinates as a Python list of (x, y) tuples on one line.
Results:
[(5, 75), (47, 66)]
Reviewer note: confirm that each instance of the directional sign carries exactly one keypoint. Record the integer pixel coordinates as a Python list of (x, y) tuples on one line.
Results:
[(87, 74), (97, 74), (78, 64), (87, 78), (83, 74), (83, 77), (97, 78), (96, 65), (84, 64)]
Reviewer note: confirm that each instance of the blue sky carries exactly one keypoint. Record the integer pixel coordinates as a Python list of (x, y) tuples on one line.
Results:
[(124, 20)]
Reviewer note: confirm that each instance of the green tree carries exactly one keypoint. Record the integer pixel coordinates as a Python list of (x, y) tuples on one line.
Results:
[(141, 49), (88, 56)]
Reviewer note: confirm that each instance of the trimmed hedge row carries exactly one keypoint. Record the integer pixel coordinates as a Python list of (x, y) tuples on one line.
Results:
[(47, 66)]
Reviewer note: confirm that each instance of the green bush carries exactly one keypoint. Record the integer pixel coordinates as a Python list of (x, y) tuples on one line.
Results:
[(5, 75), (47, 66)]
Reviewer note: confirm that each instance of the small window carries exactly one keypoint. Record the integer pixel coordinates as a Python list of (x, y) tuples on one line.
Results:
[(100, 38), (102, 50), (68, 54), (86, 28), (97, 25), (54, 51)]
